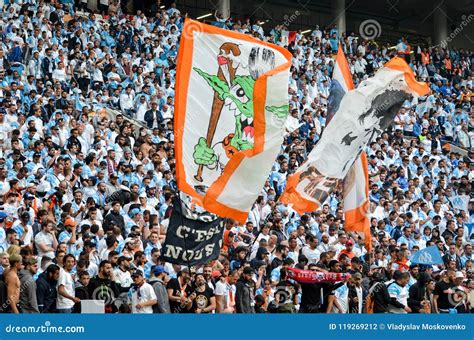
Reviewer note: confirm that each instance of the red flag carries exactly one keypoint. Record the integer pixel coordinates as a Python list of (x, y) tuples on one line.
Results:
[(291, 37), (309, 276)]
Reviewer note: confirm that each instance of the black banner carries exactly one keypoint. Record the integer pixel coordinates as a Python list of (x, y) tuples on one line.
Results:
[(192, 238)]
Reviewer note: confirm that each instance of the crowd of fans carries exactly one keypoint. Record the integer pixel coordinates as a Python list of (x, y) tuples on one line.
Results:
[(87, 174)]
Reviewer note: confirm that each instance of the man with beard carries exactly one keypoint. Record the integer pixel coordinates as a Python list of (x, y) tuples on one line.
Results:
[(323, 261), (204, 300), (443, 290), (418, 298), (46, 289), (158, 279), (225, 292), (244, 293), (66, 298), (115, 217), (414, 272), (179, 290), (399, 293), (68, 235), (121, 274), (113, 184), (356, 294), (28, 302), (142, 296), (102, 287), (311, 294)]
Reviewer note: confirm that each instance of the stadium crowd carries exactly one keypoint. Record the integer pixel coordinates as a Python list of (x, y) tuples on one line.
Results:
[(87, 175)]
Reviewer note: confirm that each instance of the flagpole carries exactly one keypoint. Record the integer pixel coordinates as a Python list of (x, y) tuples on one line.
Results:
[(186, 233), (249, 251)]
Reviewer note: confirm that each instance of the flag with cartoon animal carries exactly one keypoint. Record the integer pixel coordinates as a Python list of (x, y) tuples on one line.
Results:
[(362, 114), (230, 111)]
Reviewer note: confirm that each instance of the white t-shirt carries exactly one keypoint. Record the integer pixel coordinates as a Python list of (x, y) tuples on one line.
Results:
[(342, 296), (17, 226), (65, 279), (312, 255), (147, 293), (228, 291), (124, 279), (46, 239)]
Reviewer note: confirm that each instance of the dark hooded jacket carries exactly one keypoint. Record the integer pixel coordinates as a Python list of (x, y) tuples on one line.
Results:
[(243, 297), (417, 292), (46, 294), (380, 294), (258, 257)]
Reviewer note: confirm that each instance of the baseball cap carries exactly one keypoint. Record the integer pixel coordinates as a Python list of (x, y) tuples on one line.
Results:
[(459, 275), (160, 269), (70, 222), (426, 266), (349, 243), (123, 258), (3, 216), (89, 243), (248, 270), (28, 196), (137, 273)]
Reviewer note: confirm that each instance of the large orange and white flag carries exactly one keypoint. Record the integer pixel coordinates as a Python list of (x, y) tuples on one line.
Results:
[(230, 112), (363, 113), (356, 200), (356, 182), (341, 84)]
